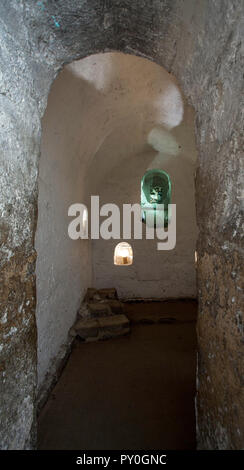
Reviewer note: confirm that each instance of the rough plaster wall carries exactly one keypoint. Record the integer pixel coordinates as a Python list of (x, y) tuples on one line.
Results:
[(202, 44), (218, 99), (63, 269)]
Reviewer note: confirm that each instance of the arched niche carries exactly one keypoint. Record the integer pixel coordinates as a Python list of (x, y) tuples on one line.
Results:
[(155, 192)]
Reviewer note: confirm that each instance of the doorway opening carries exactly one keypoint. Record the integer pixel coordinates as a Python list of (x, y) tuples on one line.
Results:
[(112, 118)]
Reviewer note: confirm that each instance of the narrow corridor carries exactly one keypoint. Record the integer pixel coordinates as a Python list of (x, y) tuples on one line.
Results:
[(132, 392), (121, 132)]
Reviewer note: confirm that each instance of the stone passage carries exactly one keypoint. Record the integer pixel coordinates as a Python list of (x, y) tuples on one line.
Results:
[(100, 316), (201, 43), (132, 392)]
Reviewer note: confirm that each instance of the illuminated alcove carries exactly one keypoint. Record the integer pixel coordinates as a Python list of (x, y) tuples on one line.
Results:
[(123, 254), (155, 197)]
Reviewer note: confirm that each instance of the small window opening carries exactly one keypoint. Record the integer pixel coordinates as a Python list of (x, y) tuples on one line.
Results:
[(123, 254)]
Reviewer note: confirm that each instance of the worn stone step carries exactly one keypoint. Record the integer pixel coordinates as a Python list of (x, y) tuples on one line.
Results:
[(94, 295), (110, 293), (116, 306), (94, 329), (99, 309)]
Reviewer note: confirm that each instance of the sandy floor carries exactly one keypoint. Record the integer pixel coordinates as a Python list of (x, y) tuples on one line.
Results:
[(133, 392)]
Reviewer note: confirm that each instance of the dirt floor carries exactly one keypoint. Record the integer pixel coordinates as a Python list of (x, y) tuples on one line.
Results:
[(132, 392)]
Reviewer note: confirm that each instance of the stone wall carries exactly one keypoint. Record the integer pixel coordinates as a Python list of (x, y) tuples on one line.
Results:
[(201, 43)]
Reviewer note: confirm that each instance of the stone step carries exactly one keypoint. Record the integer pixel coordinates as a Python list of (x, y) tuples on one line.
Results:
[(95, 329), (94, 295), (110, 293), (105, 308), (116, 306), (99, 309)]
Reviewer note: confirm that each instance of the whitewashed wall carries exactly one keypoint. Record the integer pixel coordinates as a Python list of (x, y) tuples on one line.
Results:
[(151, 128), (63, 266)]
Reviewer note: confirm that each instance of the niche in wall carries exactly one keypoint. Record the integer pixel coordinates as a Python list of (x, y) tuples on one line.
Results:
[(155, 192)]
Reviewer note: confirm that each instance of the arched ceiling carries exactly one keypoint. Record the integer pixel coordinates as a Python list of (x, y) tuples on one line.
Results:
[(120, 105)]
